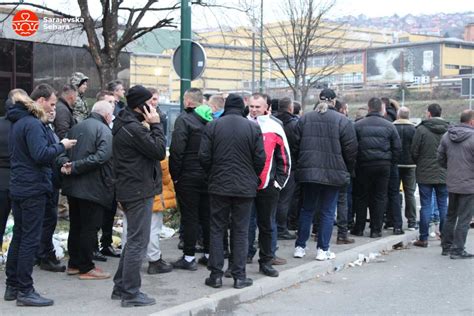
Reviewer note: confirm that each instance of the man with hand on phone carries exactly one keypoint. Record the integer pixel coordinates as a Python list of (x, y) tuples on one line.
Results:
[(137, 152)]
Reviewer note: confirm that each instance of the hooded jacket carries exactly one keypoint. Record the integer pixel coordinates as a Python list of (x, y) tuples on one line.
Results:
[(81, 110), (91, 176), (327, 148), (232, 154), (424, 150), (33, 150), (456, 153), (184, 159), (406, 130), (137, 153)]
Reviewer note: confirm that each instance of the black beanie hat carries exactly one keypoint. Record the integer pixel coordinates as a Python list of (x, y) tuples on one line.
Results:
[(327, 94), (234, 101), (137, 95)]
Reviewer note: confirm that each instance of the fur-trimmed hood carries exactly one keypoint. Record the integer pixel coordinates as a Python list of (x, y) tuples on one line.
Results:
[(18, 110)]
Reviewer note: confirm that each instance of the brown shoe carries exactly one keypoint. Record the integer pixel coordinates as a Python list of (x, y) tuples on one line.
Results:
[(345, 240), (94, 274), (72, 271), (421, 243), (277, 261)]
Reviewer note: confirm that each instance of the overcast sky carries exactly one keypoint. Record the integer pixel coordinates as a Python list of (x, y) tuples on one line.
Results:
[(212, 17)]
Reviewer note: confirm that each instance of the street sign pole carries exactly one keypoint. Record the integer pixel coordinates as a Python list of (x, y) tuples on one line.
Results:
[(185, 81)]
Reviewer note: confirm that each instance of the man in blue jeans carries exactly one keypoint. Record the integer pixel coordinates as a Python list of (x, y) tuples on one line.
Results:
[(326, 147), (429, 174)]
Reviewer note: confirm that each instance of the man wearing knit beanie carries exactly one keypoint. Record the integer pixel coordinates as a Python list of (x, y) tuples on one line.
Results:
[(231, 143), (137, 151)]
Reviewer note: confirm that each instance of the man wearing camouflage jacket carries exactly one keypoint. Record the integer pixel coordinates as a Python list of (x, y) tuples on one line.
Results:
[(81, 110)]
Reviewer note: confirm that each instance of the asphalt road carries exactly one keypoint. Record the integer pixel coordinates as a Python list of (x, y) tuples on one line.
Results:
[(414, 281)]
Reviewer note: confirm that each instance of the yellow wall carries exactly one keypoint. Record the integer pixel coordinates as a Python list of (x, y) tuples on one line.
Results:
[(455, 56)]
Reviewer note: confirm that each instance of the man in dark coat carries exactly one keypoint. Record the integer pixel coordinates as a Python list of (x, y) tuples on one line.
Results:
[(231, 143), (5, 201), (88, 184), (190, 179), (326, 151), (456, 153), (379, 148), (429, 174), (406, 167), (31, 185), (137, 151), (289, 120), (65, 120)]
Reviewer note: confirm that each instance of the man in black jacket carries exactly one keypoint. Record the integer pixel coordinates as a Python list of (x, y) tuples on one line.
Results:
[(289, 120), (406, 166), (231, 143), (64, 120), (5, 201), (190, 179), (137, 152), (88, 184), (326, 147), (379, 148)]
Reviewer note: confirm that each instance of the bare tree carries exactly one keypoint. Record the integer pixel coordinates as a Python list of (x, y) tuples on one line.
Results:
[(293, 44)]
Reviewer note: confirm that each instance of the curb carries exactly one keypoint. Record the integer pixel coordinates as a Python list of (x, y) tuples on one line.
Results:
[(226, 301)]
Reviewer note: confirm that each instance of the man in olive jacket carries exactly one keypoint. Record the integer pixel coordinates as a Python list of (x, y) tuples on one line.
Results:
[(88, 184), (137, 152), (456, 153), (429, 174)]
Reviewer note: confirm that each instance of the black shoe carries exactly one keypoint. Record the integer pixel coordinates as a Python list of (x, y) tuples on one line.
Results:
[(398, 231), (141, 299), (52, 264), (203, 260), (98, 256), (286, 236), (32, 298), (375, 234), (228, 273), (183, 264), (268, 270), (181, 244), (116, 294), (357, 233), (461, 255), (214, 282), (388, 226), (159, 266), (11, 293), (345, 240), (241, 283), (446, 251), (292, 226), (110, 252)]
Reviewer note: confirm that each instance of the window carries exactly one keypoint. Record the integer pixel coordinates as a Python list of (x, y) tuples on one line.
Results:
[(449, 66)]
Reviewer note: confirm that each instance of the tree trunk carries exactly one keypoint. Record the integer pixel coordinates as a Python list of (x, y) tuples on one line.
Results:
[(108, 71)]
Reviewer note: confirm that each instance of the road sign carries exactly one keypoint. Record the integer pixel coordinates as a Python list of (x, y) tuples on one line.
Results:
[(198, 60)]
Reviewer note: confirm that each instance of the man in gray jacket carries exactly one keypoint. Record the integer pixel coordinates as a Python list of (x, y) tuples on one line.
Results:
[(88, 184), (456, 153)]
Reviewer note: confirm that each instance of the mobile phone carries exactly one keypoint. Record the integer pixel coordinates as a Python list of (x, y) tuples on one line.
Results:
[(143, 106)]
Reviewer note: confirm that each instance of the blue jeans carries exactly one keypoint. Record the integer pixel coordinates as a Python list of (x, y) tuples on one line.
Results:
[(434, 207), (327, 196), (28, 215), (426, 197)]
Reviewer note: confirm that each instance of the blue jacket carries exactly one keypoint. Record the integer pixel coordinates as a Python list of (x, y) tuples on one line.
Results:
[(32, 152)]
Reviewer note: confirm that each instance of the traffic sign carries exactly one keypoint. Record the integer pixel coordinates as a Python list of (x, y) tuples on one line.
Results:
[(198, 60)]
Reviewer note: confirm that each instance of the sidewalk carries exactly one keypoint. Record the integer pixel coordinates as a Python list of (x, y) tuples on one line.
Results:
[(183, 292)]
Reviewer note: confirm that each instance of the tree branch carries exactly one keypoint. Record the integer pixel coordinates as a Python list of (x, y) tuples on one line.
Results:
[(38, 6)]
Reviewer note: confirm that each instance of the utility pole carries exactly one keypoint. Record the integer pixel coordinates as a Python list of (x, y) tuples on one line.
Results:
[(261, 47), (185, 81)]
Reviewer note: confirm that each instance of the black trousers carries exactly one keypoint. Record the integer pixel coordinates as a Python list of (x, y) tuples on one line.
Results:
[(394, 209), (456, 227), (372, 185), (5, 208), (46, 248), (295, 205), (194, 208), (85, 220), (266, 204), (222, 208), (284, 203), (107, 225)]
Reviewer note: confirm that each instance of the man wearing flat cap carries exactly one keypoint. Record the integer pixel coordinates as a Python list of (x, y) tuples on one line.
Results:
[(137, 152)]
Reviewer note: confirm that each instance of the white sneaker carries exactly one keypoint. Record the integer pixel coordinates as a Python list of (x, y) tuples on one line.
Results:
[(322, 255), (299, 252)]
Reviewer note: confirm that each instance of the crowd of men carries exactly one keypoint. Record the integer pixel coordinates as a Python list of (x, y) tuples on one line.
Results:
[(235, 164)]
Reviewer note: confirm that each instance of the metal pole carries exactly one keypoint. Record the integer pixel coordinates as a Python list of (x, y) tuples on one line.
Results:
[(261, 47), (185, 49), (470, 92), (253, 56)]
